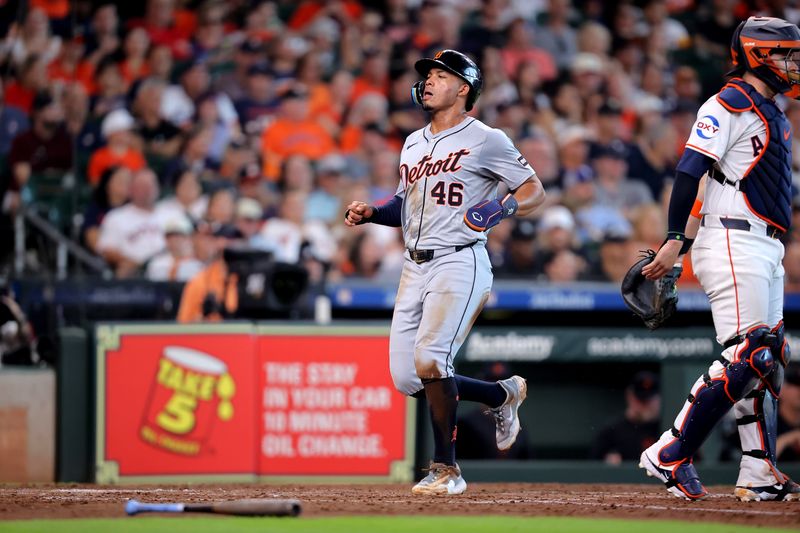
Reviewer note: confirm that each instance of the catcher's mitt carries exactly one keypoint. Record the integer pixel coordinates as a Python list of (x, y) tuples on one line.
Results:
[(653, 301)]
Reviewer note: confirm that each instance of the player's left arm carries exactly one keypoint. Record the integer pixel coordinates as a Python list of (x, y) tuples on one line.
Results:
[(502, 161), (522, 201)]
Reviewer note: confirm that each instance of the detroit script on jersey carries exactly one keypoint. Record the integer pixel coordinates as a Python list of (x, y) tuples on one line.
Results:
[(442, 175)]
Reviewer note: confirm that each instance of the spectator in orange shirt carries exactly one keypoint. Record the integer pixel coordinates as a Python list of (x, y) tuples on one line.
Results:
[(32, 79), (135, 47), (374, 76), (120, 149), (212, 293), (70, 66), (519, 48), (294, 132)]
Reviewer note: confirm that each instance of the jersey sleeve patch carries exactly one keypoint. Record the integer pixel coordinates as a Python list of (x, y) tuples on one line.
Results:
[(734, 100)]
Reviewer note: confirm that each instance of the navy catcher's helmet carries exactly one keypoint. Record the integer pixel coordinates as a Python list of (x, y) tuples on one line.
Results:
[(753, 42), (455, 63)]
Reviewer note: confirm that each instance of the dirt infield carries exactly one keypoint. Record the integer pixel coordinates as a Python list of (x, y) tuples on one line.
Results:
[(610, 501)]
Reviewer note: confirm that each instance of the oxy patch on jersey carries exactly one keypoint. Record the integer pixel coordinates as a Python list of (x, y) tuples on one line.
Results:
[(707, 127), (426, 167)]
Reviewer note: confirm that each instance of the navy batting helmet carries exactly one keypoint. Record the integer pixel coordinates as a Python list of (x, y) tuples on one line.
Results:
[(456, 63), (752, 45)]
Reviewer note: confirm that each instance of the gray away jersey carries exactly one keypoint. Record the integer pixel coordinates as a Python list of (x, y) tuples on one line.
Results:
[(443, 175)]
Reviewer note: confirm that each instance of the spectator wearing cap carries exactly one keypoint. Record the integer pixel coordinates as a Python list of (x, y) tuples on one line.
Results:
[(212, 294), (45, 148), (383, 176), (121, 148), (565, 266), (249, 218), (233, 83), (162, 139), (556, 35), (113, 190), (188, 200), (625, 438), (612, 186), (256, 106), (177, 261), (132, 234), (294, 132), (521, 257), (557, 232), (573, 153), (251, 184), (588, 75), (610, 127), (324, 202)]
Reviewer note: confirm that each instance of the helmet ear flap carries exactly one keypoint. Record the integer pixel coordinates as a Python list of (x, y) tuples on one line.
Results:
[(416, 92)]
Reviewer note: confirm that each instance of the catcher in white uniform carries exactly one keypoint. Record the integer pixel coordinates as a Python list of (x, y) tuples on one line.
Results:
[(742, 142), (446, 202)]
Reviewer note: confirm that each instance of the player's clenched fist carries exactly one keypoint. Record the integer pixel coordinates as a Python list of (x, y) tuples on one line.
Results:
[(357, 213), (489, 213)]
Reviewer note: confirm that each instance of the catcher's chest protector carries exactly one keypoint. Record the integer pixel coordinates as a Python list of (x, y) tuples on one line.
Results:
[(767, 185)]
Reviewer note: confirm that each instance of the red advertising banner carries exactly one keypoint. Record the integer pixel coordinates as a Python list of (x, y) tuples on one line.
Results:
[(236, 401), (328, 407), (180, 404)]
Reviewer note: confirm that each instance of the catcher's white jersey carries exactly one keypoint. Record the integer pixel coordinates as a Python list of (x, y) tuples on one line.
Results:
[(734, 141), (443, 175)]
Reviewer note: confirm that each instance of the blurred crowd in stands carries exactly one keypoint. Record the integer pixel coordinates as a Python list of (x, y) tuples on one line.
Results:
[(149, 131)]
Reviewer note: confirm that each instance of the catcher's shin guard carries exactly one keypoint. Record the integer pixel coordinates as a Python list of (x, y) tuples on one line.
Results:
[(726, 382), (757, 421)]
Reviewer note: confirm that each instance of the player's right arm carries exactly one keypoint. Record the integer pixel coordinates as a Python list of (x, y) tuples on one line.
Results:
[(707, 144), (389, 214)]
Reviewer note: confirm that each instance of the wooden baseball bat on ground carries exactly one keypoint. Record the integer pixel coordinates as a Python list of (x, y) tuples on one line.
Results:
[(249, 507)]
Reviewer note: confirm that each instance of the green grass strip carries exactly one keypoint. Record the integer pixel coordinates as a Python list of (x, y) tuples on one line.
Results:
[(373, 524)]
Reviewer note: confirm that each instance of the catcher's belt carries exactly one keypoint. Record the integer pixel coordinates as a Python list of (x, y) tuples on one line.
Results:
[(714, 221)]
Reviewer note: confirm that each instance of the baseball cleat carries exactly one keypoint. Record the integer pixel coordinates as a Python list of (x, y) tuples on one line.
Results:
[(441, 479), (505, 417), (788, 491), (682, 482)]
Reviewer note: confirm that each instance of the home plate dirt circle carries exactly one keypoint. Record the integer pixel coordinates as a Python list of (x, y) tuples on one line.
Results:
[(520, 499)]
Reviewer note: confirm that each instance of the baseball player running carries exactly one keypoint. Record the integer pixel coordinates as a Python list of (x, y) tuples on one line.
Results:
[(446, 203), (742, 141)]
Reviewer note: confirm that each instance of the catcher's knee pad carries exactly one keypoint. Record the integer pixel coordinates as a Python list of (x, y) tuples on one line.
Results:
[(712, 398), (782, 354)]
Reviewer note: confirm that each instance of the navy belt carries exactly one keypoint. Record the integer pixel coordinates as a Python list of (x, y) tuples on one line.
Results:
[(772, 231), (423, 256)]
